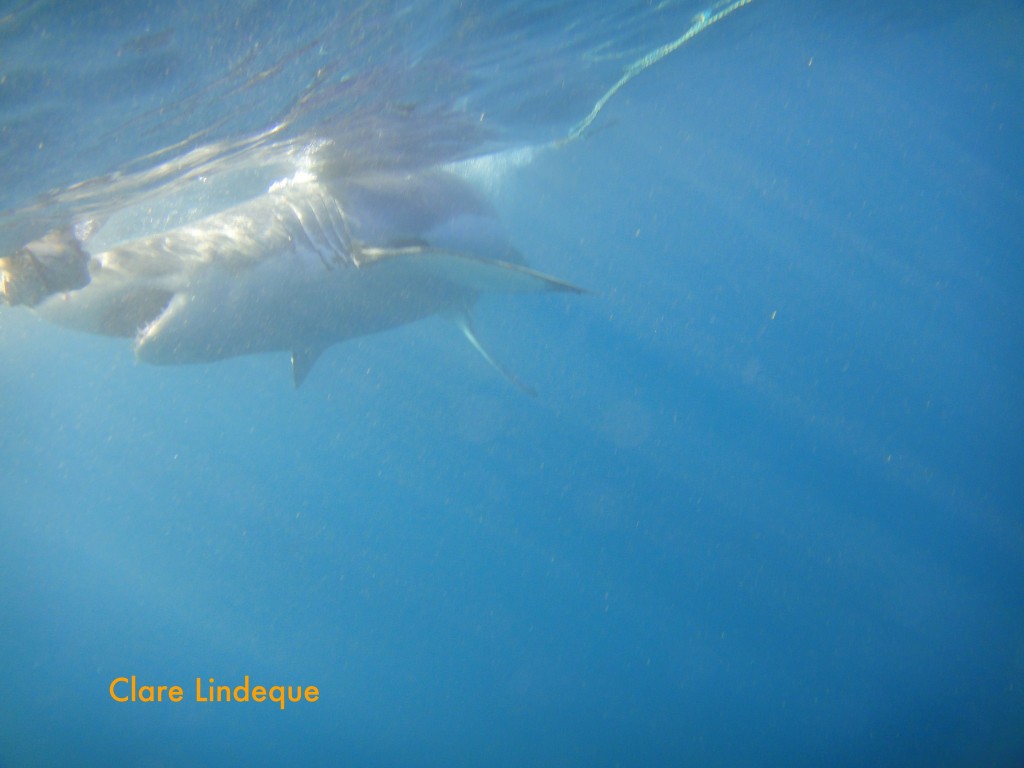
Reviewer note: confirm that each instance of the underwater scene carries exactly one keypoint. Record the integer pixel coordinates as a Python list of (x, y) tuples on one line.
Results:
[(547, 383)]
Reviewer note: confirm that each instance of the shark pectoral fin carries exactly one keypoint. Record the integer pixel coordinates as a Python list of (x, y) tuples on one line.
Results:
[(303, 361), (465, 324), (498, 276), (477, 274)]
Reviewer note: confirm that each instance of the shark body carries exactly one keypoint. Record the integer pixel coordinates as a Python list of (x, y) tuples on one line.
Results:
[(307, 265)]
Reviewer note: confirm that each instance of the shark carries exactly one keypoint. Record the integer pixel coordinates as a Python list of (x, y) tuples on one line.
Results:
[(315, 260), (308, 264)]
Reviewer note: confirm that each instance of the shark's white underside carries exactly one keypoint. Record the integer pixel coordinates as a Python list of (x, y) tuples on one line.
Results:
[(304, 266)]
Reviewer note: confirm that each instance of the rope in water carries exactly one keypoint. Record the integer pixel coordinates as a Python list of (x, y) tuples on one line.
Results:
[(701, 22)]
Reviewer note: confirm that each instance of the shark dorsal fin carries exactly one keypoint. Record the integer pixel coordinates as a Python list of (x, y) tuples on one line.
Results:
[(303, 361)]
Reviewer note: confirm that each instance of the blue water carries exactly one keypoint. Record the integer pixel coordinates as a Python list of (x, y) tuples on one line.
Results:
[(767, 509)]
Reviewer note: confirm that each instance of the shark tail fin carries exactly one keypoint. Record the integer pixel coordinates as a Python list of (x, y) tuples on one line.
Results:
[(465, 324)]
